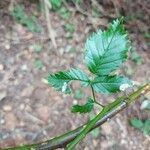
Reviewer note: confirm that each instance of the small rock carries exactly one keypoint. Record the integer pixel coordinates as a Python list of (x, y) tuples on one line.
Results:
[(145, 104), (19, 139), (7, 108), (40, 94), (27, 91), (28, 36), (104, 145), (2, 121), (22, 124), (147, 95), (86, 148), (2, 95), (27, 100), (43, 113), (24, 67), (11, 121), (7, 46), (123, 141), (22, 106), (28, 108), (107, 128), (61, 51), (1, 67), (95, 143)]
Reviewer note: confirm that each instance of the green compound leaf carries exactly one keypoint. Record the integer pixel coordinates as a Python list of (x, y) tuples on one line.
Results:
[(136, 123), (110, 84), (146, 127), (83, 108), (107, 50), (60, 80)]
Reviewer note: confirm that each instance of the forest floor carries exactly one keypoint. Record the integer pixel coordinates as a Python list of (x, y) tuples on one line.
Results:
[(30, 110)]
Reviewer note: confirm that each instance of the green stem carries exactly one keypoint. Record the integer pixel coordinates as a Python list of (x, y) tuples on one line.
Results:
[(94, 97), (131, 98), (112, 109)]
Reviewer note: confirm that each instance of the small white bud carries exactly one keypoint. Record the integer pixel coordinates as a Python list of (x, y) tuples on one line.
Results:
[(124, 86), (64, 87)]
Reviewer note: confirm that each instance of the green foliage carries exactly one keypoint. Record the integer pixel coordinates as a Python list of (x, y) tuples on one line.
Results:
[(61, 79), (37, 48), (109, 84), (78, 1), (38, 64), (83, 108), (70, 27), (64, 13), (144, 126), (130, 70), (95, 133), (147, 35), (136, 58), (72, 50), (136, 123), (56, 4), (105, 52), (29, 21)]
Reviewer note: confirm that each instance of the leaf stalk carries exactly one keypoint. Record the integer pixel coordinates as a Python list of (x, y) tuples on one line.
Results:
[(108, 112), (94, 98)]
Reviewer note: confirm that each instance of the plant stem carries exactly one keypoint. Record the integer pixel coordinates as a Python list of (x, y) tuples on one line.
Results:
[(94, 98), (112, 109), (131, 98)]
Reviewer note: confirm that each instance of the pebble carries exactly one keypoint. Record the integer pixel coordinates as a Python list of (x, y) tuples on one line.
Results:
[(7, 108), (1, 67), (107, 128), (123, 141), (22, 124), (11, 121), (61, 51), (7, 46), (2, 121), (27, 91), (22, 106), (147, 95), (43, 113), (95, 143), (28, 36), (2, 95), (24, 67)]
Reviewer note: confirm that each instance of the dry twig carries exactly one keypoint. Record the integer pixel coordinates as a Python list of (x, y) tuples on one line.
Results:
[(51, 32)]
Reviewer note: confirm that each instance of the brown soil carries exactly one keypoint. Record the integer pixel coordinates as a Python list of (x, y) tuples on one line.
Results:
[(30, 110)]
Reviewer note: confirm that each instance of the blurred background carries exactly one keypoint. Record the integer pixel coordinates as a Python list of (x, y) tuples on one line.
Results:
[(45, 36)]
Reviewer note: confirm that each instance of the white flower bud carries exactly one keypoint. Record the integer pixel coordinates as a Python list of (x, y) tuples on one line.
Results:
[(64, 87), (124, 86)]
